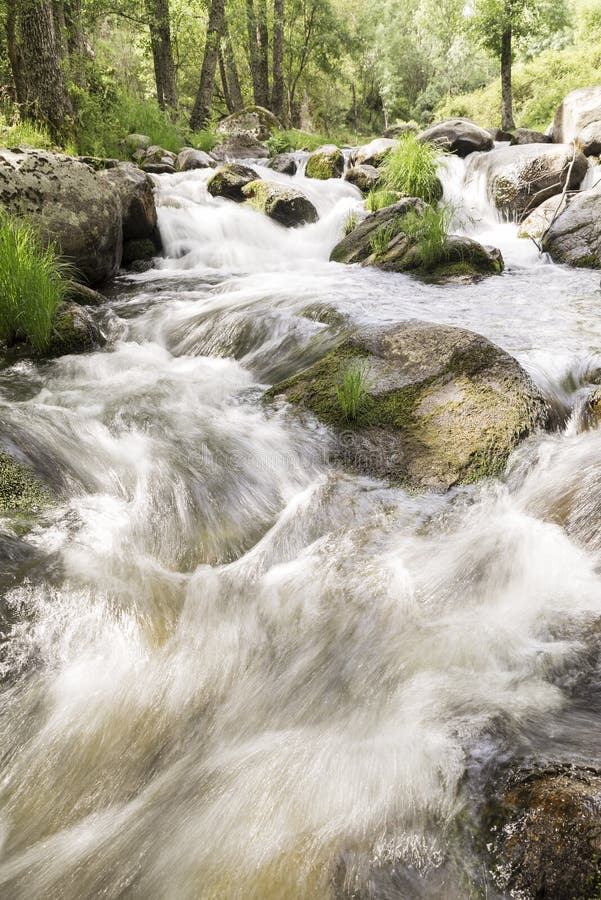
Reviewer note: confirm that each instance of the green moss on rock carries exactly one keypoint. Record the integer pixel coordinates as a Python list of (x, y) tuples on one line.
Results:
[(20, 489), (326, 162)]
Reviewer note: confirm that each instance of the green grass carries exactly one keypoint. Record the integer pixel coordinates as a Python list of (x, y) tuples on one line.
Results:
[(412, 169), (381, 239), (25, 134), (352, 391), (430, 230), (352, 220), (378, 199), (203, 140), (291, 139), (32, 284)]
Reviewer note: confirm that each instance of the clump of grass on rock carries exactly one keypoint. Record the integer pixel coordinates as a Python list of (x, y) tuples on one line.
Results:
[(412, 169), (352, 391)]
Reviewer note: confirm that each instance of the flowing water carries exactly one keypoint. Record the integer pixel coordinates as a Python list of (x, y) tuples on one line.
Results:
[(231, 670)]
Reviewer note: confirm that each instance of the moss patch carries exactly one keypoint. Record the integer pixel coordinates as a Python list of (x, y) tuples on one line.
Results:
[(20, 489)]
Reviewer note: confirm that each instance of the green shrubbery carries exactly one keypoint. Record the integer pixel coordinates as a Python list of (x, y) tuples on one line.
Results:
[(412, 169), (32, 284), (24, 134), (430, 230)]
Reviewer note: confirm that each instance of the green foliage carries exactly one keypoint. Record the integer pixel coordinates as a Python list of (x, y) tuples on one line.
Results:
[(430, 230), (532, 22), (376, 200), (25, 134), (32, 284), (203, 140), (292, 139), (381, 239), (352, 220), (412, 169), (352, 391)]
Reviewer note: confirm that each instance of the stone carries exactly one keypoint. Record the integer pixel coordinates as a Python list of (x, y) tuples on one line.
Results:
[(519, 179), (401, 128), (289, 207), (539, 220), (21, 491), (240, 146), (253, 120), (578, 119), (229, 180), (374, 153), (523, 136), (574, 237), (72, 205), (325, 162), (458, 136), (440, 406), (135, 142), (135, 190), (189, 159), (138, 249), (363, 177), (74, 331), (284, 163)]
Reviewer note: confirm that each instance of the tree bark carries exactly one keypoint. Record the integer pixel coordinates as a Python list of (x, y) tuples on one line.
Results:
[(76, 42), (204, 97), (233, 79), (277, 95), (47, 99), (226, 90), (159, 24), (263, 48), (255, 54), (15, 52), (507, 123)]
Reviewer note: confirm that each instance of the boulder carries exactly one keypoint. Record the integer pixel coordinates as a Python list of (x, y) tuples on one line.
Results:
[(158, 161), (70, 203), (84, 295), (578, 119), (364, 177), (287, 206), (497, 134), (229, 180), (253, 120), (537, 222), (134, 142), (439, 406), (523, 136), (74, 331), (325, 162), (139, 250), (383, 240), (575, 235), (284, 163), (374, 153), (458, 136), (518, 179), (99, 163), (135, 191), (400, 128), (240, 146), (189, 159), (547, 840), (20, 489)]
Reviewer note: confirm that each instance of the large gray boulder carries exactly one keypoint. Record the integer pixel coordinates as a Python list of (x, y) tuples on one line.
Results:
[(578, 119), (523, 136), (284, 163), (189, 159), (240, 145), (439, 405), (374, 153), (575, 235), (325, 162), (72, 205), (288, 206), (538, 221), (518, 179), (364, 177), (229, 180), (158, 161), (458, 136), (135, 190), (253, 120)]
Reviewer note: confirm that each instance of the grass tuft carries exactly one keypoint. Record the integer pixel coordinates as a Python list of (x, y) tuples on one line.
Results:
[(352, 220), (32, 284), (381, 239), (352, 391), (430, 230), (412, 169), (376, 200)]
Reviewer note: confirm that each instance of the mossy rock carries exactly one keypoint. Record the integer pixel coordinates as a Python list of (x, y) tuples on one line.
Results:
[(74, 331), (143, 249), (442, 405), (20, 489), (326, 162), (374, 153), (254, 120), (285, 205), (364, 177), (229, 180)]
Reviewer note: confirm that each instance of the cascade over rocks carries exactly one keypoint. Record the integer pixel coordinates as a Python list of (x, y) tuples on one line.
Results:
[(578, 119), (442, 405), (458, 136), (284, 163), (575, 235), (460, 257), (363, 176), (519, 179), (189, 159), (285, 205), (255, 121), (325, 162), (548, 841), (72, 205), (374, 153), (229, 180)]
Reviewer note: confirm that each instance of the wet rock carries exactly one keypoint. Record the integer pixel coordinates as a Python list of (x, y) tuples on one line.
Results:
[(548, 841), (384, 240), (240, 146), (364, 177), (578, 119), (135, 190), (252, 120), (285, 205), (70, 203), (459, 136), (74, 331), (536, 224), (575, 235), (158, 161), (138, 250), (374, 153), (20, 489), (85, 296), (99, 163), (440, 405), (497, 134), (284, 163), (325, 162), (523, 136), (519, 179), (229, 180), (189, 159)]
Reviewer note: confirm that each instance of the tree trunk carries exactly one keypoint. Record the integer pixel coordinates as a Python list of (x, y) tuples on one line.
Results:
[(204, 97), (226, 91), (76, 43), (507, 123), (162, 52), (263, 52), (277, 95), (47, 98), (233, 79), (15, 53), (60, 27)]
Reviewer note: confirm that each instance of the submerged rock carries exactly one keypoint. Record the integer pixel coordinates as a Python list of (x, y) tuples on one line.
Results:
[(70, 203), (384, 240), (189, 159), (548, 841), (363, 176), (229, 180), (440, 405), (284, 163), (253, 120), (20, 488), (374, 153), (519, 179), (74, 331), (575, 235), (285, 205), (325, 162), (578, 119), (458, 136)]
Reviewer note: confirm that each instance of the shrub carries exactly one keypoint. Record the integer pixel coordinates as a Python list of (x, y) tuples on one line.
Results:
[(352, 391), (430, 230), (412, 169), (32, 284), (203, 140), (381, 239)]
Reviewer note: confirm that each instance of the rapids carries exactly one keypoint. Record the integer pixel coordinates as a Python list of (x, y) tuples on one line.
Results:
[(231, 671)]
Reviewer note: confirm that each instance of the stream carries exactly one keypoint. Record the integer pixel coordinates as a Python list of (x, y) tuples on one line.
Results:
[(229, 669)]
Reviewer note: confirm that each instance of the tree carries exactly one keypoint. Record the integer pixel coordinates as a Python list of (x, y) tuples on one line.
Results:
[(277, 93), (201, 112), (500, 25), (159, 23)]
